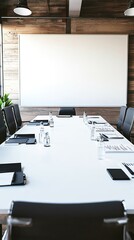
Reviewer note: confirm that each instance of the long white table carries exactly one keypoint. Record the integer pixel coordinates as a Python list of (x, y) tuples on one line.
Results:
[(69, 170)]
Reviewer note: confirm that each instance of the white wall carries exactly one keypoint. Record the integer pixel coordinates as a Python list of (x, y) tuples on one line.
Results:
[(73, 70)]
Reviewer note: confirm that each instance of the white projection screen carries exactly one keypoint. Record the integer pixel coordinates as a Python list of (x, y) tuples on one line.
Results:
[(73, 70)]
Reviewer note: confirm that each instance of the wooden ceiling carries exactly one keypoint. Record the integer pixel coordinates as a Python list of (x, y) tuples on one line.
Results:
[(60, 8)]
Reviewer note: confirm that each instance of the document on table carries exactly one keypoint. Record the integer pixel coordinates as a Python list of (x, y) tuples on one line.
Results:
[(118, 148), (111, 136), (104, 129), (6, 178), (96, 121)]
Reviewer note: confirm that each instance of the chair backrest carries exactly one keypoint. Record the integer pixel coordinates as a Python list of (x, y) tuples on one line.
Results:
[(128, 123), (3, 130), (10, 119), (67, 111), (82, 221), (121, 118), (17, 115)]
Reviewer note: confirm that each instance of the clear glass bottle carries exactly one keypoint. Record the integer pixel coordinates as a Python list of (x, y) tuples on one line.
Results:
[(101, 149), (41, 133), (51, 120), (84, 117), (46, 140), (93, 131)]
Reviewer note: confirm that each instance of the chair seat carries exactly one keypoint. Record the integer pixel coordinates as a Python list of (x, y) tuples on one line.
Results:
[(67, 111)]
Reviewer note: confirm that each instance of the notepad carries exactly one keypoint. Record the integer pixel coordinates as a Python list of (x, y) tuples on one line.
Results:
[(6, 178)]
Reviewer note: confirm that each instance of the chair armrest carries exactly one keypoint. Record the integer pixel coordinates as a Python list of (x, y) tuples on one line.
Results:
[(119, 221)]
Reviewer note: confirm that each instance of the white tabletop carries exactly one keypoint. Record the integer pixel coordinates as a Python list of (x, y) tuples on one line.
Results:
[(69, 171)]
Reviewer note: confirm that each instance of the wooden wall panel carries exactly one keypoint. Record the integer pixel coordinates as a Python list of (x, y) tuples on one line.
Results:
[(131, 71), (102, 26), (11, 30)]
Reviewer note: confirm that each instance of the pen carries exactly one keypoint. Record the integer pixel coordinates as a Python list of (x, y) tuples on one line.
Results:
[(103, 135), (129, 169), (93, 117), (116, 137)]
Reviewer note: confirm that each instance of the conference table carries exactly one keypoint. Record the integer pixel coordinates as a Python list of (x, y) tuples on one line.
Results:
[(70, 169)]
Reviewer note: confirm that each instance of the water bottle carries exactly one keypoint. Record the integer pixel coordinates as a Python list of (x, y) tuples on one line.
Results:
[(101, 149), (51, 121), (84, 118), (46, 140), (41, 133), (93, 131)]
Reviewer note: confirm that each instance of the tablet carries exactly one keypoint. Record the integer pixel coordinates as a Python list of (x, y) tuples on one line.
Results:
[(117, 174)]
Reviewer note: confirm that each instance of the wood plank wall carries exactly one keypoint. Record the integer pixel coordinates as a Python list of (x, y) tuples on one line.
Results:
[(11, 29)]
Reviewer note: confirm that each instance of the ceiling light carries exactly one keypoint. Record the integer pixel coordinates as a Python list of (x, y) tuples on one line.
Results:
[(22, 8), (130, 10)]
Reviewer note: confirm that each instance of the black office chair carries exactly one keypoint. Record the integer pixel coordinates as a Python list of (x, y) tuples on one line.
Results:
[(3, 130), (17, 115), (10, 119), (67, 111), (82, 221), (128, 123), (121, 118)]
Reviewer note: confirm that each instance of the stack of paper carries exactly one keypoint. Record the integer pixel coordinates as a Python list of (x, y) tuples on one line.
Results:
[(118, 148), (104, 129), (6, 178)]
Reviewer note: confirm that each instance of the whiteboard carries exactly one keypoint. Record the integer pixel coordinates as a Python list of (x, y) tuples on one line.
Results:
[(73, 70)]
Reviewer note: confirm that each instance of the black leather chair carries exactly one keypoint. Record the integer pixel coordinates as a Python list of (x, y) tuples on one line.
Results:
[(67, 111), (17, 115), (121, 118), (10, 119), (82, 221), (128, 123), (3, 130)]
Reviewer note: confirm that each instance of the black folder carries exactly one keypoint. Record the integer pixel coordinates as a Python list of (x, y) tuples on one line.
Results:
[(22, 138), (37, 122), (10, 167), (18, 178), (24, 135)]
